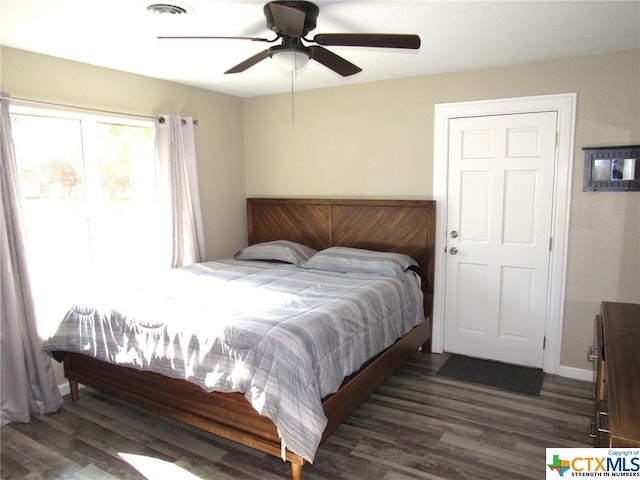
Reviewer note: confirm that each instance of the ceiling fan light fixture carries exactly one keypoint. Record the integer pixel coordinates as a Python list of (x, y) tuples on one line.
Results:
[(290, 60), (291, 20)]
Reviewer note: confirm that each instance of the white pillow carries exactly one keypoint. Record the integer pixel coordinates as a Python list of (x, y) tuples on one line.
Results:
[(346, 259), (277, 251)]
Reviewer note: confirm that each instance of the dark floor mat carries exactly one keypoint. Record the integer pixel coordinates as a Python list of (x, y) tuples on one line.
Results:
[(514, 378)]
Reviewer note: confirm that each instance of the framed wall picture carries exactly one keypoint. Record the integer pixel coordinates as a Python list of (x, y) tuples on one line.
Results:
[(613, 169)]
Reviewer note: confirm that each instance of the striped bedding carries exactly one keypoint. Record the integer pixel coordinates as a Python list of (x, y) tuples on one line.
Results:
[(283, 336)]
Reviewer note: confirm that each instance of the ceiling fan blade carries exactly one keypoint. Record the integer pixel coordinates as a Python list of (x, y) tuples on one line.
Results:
[(253, 39), (288, 20), (388, 40), (249, 62), (333, 61)]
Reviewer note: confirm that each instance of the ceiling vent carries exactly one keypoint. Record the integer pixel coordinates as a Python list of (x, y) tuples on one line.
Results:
[(166, 9)]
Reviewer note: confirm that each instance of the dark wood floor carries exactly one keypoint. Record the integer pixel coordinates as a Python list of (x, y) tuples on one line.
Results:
[(417, 426)]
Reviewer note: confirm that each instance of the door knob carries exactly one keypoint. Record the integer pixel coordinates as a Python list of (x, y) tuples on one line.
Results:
[(453, 234), (453, 250)]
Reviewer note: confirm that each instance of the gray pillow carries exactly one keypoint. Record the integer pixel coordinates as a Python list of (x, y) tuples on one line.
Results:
[(277, 251), (345, 260)]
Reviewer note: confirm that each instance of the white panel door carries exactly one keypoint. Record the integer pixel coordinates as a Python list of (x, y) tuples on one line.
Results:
[(500, 198)]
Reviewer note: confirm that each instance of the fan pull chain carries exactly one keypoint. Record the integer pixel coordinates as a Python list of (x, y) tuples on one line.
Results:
[(293, 106)]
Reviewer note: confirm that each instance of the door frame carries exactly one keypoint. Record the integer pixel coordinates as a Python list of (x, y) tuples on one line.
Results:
[(565, 106)]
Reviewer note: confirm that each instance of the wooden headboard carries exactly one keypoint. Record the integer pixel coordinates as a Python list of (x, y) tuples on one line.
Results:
[(402, 226)]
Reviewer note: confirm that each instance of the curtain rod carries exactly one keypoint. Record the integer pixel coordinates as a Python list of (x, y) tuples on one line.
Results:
[(95, 110)]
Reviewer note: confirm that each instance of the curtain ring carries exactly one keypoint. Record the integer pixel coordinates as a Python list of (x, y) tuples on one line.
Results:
[(183, 122)]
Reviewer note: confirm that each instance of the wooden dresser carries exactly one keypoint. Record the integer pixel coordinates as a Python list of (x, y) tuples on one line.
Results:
[(617, 389)]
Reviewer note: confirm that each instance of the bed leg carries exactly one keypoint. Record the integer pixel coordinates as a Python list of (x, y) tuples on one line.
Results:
[(73, 386), (296, 471)]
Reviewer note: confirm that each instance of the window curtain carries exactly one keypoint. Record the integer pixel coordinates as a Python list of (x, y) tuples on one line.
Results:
[(28, 382), (176, 152)]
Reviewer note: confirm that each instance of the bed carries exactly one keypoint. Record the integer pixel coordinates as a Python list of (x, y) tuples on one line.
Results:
[(403, 227)]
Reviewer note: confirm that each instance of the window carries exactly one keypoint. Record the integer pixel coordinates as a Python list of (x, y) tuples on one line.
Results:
[(90, 206)]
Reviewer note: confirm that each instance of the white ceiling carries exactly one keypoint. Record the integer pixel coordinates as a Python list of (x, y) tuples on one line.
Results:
[(456, 35)]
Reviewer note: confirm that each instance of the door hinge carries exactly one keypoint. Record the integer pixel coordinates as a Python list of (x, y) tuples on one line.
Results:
[(550, 243), (556, 139), (544, 342)]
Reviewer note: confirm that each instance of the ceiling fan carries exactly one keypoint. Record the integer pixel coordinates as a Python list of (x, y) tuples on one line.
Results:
[(291, 21)]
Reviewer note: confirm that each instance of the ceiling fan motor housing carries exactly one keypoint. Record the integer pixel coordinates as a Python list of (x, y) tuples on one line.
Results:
[(310, 10)]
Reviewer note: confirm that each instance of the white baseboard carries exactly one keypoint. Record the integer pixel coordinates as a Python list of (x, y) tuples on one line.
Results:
[(65, 389), (576, 373)]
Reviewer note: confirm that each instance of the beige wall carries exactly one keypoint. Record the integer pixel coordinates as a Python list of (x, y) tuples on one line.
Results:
[(219, 135), (377, 140)]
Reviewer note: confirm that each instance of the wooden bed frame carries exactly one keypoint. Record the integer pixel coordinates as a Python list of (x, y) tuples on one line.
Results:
[(403, 226)]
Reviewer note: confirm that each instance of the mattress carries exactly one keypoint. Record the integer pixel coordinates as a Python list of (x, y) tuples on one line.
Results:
[(283, 336)]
